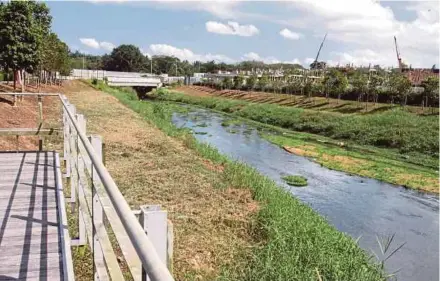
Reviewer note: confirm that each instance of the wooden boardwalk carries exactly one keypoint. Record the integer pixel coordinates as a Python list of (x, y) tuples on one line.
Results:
[(34, 241)]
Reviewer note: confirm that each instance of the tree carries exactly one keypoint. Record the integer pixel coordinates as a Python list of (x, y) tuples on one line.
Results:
[(251, 82), (238, 81), (431, 89), (336, 83), (127, 58), (23, 26), (227, 83), (400, 86), (375, 86), (55, 55), (360, 84), (263, 82)]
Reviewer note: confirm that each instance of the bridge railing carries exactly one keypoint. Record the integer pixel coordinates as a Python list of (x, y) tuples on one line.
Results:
[(101, 206)]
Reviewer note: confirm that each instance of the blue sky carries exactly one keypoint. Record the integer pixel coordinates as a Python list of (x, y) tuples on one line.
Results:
[(359, 31)]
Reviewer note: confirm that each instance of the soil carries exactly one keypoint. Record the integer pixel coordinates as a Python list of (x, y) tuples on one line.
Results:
[(25, 115)]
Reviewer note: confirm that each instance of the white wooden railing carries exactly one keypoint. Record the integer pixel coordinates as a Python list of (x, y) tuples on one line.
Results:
[(99, 206)]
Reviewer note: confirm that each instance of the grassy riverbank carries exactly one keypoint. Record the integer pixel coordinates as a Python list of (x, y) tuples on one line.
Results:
[(411, 169), (289, 240), (391, 129)]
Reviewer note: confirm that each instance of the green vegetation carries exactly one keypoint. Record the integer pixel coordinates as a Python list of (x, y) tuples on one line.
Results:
[(415, 170), (27, 43), (295, 180), (392, 129), (284, 227)]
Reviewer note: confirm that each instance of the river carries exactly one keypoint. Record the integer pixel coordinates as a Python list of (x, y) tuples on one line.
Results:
[(358, 206)]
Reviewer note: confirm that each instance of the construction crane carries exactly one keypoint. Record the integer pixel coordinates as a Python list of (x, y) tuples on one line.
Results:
[(399, 58), (316, 64)]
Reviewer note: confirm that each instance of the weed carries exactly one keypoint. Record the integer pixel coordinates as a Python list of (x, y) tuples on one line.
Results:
[(295, 180)]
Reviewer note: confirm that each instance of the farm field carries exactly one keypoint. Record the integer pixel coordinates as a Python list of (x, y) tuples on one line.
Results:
[(315, 103)]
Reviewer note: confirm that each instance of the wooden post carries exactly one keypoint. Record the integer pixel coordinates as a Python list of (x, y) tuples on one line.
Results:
[(154, 222), (40, 122), (97, 212), (80, 170), (73, 139)]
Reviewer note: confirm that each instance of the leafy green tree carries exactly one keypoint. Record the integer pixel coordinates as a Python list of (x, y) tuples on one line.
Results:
[(23, 26), (399, 86), (336, 83), (431, 90), (251, 82), (359, 82), (227, 83), (238, 81), (126, 58), (263, 82), (375, 86), (55, 55)]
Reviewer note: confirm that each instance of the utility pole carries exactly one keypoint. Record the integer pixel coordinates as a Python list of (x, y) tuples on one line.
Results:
[(176, 69), (151, 66)]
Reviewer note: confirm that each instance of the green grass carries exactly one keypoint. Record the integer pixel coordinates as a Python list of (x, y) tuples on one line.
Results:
[(391, 129), (295, 180), (292, 242)]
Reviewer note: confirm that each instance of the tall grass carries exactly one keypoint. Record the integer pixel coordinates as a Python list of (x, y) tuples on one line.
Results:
[(393, 129), (292, 241)]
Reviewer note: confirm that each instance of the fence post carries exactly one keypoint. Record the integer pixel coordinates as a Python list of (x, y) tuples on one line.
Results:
[(40, 122), (80, 170), (66, 123), (97, 210), (155, 224), (73, 179)]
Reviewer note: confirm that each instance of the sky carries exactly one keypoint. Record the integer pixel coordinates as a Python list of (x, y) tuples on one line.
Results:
[(358, 31)]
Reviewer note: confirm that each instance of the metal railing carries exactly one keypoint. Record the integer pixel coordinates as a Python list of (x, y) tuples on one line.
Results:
[(99, 197)]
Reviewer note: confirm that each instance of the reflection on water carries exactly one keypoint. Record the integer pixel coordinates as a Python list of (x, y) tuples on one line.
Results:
[(358, 206)]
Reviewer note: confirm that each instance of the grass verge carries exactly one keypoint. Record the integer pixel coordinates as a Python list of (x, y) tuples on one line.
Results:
[(390, 129), (290, 240)]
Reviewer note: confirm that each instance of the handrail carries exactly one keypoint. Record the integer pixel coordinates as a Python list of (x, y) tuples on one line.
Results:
[(154, 267), (156, 270)]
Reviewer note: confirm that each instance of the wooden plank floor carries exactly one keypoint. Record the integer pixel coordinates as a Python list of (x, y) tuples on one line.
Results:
[(30, 236)]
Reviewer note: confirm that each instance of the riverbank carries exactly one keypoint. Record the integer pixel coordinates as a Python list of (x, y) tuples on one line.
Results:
[(289, 241), (300, 101), (411, 169)]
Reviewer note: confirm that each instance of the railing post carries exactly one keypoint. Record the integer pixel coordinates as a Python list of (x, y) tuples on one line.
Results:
[(40, 122), (155, 224), (97, 210), (80, 170), (73, 179)]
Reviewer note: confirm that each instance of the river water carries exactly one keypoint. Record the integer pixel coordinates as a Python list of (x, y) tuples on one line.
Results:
[(358, 206)]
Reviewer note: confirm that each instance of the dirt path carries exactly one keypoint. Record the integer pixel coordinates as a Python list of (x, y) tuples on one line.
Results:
[(149, 167)]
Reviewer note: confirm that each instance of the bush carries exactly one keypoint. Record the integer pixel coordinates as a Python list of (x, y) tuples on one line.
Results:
[(95, 81)]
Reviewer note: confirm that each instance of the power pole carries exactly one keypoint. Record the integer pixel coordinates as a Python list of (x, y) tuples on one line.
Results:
[(151, 65)]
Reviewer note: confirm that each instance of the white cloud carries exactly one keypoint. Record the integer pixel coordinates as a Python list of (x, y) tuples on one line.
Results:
[(256, 57), (366, 26), (107, 46), (94, 44), (231, 28), (186, 54), (288, 34), (90, 42)]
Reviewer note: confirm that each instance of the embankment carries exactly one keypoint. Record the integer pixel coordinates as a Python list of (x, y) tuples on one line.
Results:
[(393, 146), (283, 238)]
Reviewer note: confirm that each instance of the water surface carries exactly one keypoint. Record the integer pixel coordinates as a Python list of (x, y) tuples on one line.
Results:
[(358, 206)]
